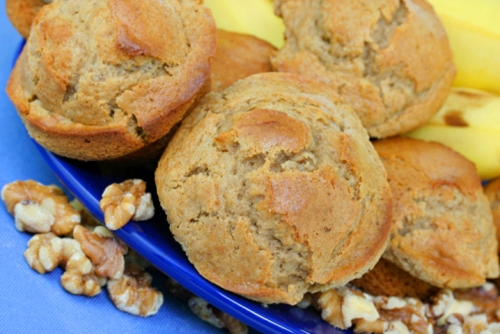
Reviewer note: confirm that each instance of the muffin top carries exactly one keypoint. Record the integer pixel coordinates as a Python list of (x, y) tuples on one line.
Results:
[(101, 79), (442, 230), (237, 57), (273, 189), (390, 60)]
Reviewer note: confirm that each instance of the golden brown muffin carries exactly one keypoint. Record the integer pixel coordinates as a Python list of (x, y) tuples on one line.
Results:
[(492, 191), (273, 189), (390, 60), (387, 279), (442, 230), (102, 80), (21, 13), (237, 57)]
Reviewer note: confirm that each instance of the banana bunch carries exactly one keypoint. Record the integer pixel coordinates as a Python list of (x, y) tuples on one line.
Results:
[(473, 29), (469, 122), (253, 17)]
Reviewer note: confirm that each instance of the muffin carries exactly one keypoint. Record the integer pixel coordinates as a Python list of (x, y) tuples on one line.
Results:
[(387, 279), (274, 190), (21, 13), (102, 80), (492, 191), (390, 60), (238, 56), (442, 230)]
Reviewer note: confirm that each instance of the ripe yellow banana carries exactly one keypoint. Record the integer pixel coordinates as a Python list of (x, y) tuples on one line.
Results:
[(473, 28), (469, 122), (253, 17)]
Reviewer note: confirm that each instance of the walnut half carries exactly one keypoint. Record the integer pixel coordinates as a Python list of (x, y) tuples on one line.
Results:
[(79, 278), (105, 252), (132, 293), (38, 208), (122, 202), (47, 251)]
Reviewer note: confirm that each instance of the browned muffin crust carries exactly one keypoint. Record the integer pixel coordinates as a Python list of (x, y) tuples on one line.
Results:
[(237, 57), (390, 60), (492, 191), (101, 80), (21, 13), (273, 189), (442, 231), (387, 279)]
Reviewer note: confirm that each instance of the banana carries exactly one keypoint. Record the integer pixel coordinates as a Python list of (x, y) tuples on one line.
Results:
[(473, 29), (468, 122), (253, 17)]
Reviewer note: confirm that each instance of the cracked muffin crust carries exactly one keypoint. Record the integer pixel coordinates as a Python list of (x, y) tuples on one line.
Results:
[(100, 80), (273, 189), (237, 57), (389, 60), (442, 229)]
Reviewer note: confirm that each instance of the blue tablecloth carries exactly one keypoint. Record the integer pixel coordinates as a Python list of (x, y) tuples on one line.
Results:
[(34, 303)]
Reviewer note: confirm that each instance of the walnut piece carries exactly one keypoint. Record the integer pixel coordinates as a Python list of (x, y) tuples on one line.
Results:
[(445, 305), (124, 202), (467, 311), (79, 278), (46, 251), (132, 293), (38, 208), (215, 317), (105, 252), (343, 307)]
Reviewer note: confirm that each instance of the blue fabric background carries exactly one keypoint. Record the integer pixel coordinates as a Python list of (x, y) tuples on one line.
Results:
[(34, 303)]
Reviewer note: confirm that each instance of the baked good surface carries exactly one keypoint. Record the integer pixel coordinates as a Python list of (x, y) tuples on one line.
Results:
[(389, 60), (101, 80), (492, 191), (442, 230), (273, 189), (238, 56), (21, 13), (387, 279)]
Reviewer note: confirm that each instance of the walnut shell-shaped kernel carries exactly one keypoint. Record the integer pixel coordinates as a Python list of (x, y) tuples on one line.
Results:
[(79, 278), (122, 202), (106, 253), (132, 293), (39, 208)]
